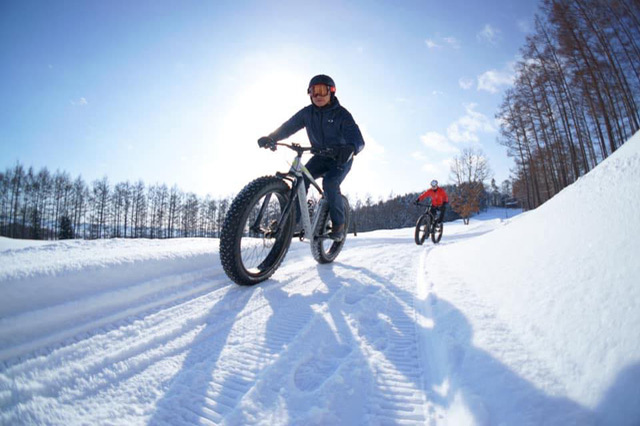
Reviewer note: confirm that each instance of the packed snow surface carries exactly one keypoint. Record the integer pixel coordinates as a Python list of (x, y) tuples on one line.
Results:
[(525, 319)]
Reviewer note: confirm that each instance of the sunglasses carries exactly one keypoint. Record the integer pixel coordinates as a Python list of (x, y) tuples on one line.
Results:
[(320, 90)]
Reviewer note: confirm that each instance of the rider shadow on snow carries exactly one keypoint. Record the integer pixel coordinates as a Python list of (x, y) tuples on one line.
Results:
[(461, 379)]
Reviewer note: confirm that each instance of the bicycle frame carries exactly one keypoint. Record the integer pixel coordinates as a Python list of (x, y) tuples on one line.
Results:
[(296, 175), (427, 210)]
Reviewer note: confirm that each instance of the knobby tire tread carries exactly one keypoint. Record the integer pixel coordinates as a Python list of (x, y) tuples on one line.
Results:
[(231, 234), (321, 255), (422, 229)]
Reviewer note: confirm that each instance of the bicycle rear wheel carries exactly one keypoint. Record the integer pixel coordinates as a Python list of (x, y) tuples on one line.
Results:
[(324, 249), (422, 229), (253, 242), (436, 235)]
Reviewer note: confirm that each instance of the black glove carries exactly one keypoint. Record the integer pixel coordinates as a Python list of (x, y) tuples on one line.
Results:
[(266, 142), (344, 153)]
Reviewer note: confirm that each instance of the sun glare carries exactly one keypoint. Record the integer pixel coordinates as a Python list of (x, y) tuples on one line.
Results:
[(258, 109)]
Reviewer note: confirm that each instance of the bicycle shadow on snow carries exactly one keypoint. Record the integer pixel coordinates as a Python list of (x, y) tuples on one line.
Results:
[(457, 374), (186, 399), (311, 380), (285, 382)]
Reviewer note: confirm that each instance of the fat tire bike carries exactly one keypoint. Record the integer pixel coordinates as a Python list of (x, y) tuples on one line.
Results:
[(259, 225), (426, 225)]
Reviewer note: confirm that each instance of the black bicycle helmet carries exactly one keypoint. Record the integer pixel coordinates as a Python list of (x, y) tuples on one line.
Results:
[(323, 79)]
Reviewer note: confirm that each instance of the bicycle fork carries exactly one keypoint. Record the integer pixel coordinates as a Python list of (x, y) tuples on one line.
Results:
[(309, 224)]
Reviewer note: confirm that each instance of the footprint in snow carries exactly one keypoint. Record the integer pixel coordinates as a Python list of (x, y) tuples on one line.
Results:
[(357, 294), (311, 374)]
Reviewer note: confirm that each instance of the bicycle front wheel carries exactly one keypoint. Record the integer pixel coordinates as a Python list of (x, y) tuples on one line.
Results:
[(436, 235), (253, 241), (422, 229), (324, 249)]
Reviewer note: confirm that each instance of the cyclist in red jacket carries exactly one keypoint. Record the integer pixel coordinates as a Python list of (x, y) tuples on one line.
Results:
[(439, 199)]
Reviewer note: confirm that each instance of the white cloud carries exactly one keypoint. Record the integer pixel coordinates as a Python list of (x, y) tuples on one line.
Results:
[(431, 44), (437, 142), (489, 35), (437, 170), (441, 148), (467, 127), (430, 168), (418, 155), (446, 41), (465, 83), (493, 79), (79, 102), (452, 41)]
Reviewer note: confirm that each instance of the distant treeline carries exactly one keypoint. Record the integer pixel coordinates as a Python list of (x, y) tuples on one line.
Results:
[(576, 94), (42, 205), (400, 212), (45, 205)]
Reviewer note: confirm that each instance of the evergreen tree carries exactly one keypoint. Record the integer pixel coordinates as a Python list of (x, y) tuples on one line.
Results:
[(66, 231)]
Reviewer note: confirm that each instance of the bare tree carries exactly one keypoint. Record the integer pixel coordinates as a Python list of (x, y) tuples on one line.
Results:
[(469, 170), (470, 166), (174, 208), (100, 197), (139, 210), (576, 94)]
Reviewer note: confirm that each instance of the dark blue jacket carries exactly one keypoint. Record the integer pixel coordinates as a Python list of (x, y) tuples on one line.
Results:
[(329, 126)]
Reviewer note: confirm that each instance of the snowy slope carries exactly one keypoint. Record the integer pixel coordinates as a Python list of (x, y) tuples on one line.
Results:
[(509, 321), (565, 279)]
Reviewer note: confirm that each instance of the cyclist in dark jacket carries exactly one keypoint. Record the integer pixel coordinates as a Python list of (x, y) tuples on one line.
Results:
[(335, 138)]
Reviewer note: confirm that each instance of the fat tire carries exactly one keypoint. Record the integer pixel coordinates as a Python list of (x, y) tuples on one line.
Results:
[(232, 234), (436, 235), (422, 229), (320, 253)]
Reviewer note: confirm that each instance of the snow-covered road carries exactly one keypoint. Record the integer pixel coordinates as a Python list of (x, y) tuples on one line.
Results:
[(146, 331), (188, 346)]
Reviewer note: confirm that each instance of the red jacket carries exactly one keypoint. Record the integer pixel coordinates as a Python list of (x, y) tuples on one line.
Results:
[(438, 197)]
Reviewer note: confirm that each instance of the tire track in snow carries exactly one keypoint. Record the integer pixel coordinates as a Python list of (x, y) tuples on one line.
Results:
[(226, 344), (97, 313), (391, 342), (119, 350), (397, 372), (254, 343), (124, 350)]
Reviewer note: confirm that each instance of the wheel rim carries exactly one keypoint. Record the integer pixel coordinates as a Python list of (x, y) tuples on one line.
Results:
[(425, 229), (325, 249), (258, 245)]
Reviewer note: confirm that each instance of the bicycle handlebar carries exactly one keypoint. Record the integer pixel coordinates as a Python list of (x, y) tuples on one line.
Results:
[(295, 146), (327, 152)]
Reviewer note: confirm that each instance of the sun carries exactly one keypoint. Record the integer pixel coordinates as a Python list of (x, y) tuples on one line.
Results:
[(260, 107)]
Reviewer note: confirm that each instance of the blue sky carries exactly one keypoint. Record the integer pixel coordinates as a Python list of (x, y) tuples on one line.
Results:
[(178, 92)]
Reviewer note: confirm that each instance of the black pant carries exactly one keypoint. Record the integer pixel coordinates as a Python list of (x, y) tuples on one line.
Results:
[(438, 212), (332, 176)]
